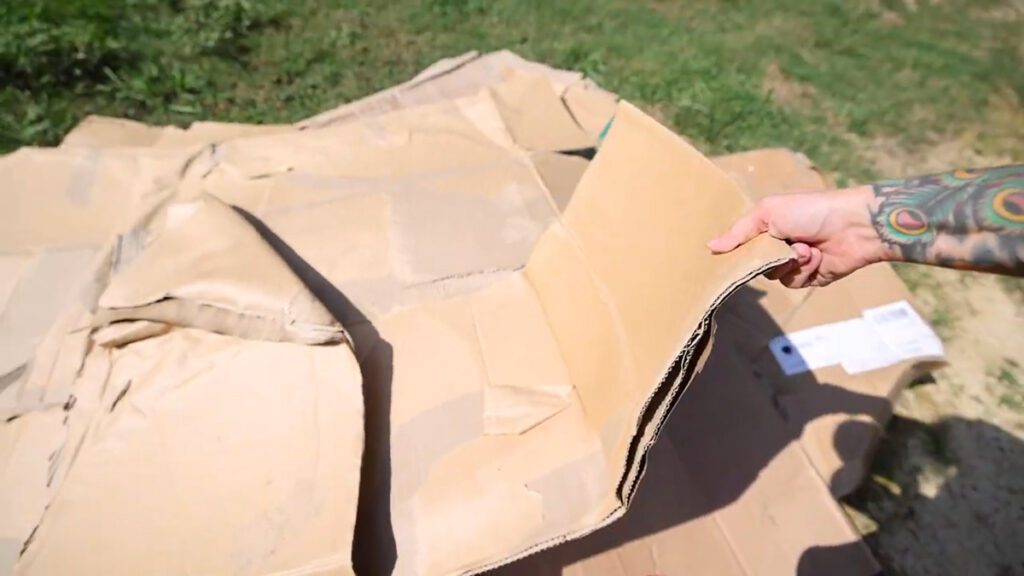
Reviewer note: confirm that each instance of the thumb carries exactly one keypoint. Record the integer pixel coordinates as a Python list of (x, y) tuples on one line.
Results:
[(744, 230)]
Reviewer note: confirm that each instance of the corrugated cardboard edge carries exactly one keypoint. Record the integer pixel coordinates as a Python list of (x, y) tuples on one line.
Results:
[(655, 411)]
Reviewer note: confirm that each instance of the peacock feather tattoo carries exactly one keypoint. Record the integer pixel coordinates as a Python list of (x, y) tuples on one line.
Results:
[(963, 205)]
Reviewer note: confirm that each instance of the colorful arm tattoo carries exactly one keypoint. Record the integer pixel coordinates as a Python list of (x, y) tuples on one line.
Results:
[(964, 219)]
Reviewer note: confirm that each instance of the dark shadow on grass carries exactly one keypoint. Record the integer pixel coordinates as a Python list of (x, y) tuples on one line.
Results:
[(373, 546)]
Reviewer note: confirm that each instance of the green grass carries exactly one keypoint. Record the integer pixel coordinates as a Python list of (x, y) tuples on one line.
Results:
[(1012, 395), (867, 70)]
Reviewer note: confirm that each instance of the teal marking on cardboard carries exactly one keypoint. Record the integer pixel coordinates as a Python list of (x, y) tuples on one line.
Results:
[(604, 132)]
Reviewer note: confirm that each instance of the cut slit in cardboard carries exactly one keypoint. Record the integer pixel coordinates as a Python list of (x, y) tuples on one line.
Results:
[(513, 330)]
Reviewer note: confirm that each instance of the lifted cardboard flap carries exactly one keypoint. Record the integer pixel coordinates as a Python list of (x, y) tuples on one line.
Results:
[(637, 225), (733, 488), (536, 116), (208, 268), (627, 288)]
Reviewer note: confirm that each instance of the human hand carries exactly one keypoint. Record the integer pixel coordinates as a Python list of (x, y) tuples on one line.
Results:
[(830, 232)]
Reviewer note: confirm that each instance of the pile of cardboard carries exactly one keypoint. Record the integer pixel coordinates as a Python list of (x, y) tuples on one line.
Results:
[(436, 331)]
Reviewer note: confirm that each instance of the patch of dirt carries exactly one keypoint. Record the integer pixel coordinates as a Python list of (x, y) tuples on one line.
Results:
[(786, 91), (891, 19), (1003, 12), (981, 320), (971, 149), (892, 161)]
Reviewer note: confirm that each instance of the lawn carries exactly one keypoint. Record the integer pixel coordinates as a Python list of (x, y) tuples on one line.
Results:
[(837, 79)]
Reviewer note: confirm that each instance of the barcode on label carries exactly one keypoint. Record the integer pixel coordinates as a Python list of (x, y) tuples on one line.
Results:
[(892, 315)]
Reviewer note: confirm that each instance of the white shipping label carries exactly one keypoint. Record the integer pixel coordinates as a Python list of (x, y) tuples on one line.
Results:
[(882, 337), (863, 348), (805, 350)]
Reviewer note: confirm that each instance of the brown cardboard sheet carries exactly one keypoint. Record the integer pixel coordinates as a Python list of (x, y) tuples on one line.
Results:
[(194, 273), (214, 455), (518, 503), (74, 219), (231, 453), (317, 227)]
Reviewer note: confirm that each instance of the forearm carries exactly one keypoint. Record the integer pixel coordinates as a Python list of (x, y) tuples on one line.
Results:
[(971, 219)]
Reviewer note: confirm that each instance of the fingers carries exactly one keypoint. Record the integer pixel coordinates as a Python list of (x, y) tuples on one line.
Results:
[(799, 272), (802, 251), (801, 256), (806, 273), (744, 230), (784, 269)]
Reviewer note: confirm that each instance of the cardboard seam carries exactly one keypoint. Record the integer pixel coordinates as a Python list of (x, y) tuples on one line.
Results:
[(606, 299), (833, 504), (463, 276), (302, 332), (372, 186), (730, 544), (561, 356), (68, 467), (527, 158)]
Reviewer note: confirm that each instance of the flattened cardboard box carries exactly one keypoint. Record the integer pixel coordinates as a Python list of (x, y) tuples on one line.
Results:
[(541, 431), (818, 413), (325, 182)]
